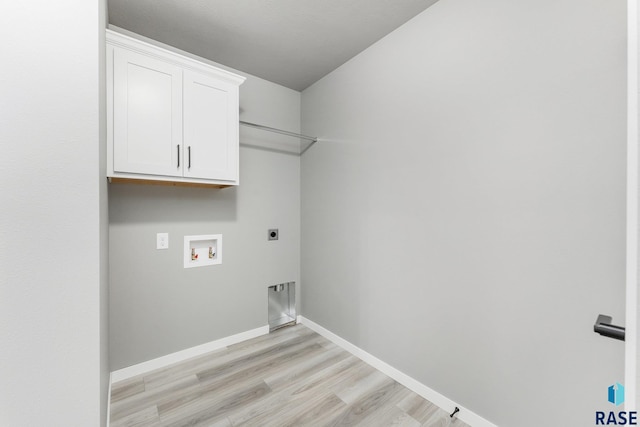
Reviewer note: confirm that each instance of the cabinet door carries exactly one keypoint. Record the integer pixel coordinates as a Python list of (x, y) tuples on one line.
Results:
[(147, 108), (210, 128)]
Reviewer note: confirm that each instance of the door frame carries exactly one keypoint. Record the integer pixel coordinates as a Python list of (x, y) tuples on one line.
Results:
[(631, 325)]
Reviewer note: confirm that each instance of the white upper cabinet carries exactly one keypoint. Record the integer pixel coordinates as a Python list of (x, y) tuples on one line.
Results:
[(170, 118)]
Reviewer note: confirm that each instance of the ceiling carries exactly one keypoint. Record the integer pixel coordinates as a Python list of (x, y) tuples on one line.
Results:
[(290, 42)]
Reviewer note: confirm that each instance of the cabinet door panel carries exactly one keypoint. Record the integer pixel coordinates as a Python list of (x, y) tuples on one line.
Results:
[(210, 127), (147, 115)]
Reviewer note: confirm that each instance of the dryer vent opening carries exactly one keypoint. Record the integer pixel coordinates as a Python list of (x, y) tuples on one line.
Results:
[(282, 305)]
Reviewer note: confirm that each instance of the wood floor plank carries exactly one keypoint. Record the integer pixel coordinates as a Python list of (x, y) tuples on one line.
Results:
[(391, 416), (159, 377), (375, 380), (364, 408), (427, 413), (300, 371), (221, 422), (219, 357), (211, 410), (258, 369), (315, 412), (442, 419), (141, 418), (125, 389), (359, 372), (278, 355), (237, 374), (458, 423), (327, 378), (271, 338), (387, 412), (291, 377), (151, 396), (296, 394), (419, 408)]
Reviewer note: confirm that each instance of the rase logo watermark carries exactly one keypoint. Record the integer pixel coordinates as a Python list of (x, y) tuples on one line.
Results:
[(615, 396)]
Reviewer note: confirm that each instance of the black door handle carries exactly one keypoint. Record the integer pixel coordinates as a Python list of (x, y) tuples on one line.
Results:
[(604, 327)]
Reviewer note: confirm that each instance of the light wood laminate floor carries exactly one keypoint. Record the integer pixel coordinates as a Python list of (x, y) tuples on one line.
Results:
[(291, 377)]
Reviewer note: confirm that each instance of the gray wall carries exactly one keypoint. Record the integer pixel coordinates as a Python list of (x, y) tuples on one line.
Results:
[(463, 215), (156, 306), (50, 204)]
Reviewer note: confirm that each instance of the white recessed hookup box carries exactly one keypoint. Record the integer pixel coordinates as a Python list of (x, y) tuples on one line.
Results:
[(203, 250)]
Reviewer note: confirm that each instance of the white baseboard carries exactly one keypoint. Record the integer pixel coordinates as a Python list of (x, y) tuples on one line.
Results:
[(431, 395), (161, 362)]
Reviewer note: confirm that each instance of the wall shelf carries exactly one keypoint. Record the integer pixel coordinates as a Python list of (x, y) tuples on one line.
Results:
[(299, 148)]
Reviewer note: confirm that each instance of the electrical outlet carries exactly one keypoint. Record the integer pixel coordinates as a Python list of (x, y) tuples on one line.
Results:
[(273, 234), (162, 241)]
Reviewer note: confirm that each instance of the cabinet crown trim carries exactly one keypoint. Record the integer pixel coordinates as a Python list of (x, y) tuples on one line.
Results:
[(115, 38)]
